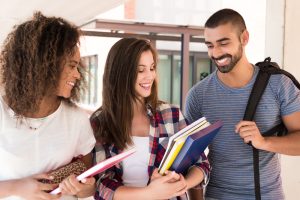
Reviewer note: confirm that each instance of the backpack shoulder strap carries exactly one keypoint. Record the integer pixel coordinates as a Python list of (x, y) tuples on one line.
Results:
[(266, 69), (257, 91), (273, 68)]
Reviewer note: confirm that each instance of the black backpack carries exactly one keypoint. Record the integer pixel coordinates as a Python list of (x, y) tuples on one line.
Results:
[(266, 69)]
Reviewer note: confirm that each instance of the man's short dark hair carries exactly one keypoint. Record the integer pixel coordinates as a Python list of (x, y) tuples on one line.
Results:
[(225, 16)]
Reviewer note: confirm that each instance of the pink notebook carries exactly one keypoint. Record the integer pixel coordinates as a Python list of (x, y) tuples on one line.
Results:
[(100, 167)]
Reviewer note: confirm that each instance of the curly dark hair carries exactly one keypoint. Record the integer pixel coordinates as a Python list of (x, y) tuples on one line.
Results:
[(32, 58)]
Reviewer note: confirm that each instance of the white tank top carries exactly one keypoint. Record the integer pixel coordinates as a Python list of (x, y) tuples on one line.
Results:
[(135, 167)]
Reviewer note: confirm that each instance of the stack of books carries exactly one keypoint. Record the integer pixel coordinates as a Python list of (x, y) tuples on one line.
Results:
[(185, 147)]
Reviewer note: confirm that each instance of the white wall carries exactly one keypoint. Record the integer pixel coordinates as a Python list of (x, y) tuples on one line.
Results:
[(100, 46), (292, 39), (274, 26), (291, 165), (97, 46)]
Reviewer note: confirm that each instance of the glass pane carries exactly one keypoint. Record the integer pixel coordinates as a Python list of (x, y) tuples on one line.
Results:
[(176, 80), (90, 96), (191, 72), (93, 83), (164, 78), (202, 69)]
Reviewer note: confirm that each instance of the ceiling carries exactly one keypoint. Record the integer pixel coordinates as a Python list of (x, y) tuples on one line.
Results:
[(77, 11)]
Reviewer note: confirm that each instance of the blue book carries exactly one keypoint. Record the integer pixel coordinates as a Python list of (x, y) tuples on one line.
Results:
[(194, 145)]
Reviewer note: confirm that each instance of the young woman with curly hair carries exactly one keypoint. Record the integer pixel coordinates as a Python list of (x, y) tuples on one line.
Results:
[(41, 128), (131, 114)]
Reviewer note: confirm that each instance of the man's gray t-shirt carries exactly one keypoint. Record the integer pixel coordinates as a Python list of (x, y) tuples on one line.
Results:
[(230, 158)]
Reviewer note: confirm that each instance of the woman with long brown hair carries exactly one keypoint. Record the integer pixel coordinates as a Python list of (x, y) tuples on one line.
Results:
[(41, 128), (131, 114)]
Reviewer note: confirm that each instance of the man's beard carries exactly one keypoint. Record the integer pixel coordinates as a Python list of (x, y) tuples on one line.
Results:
[(234, 60)]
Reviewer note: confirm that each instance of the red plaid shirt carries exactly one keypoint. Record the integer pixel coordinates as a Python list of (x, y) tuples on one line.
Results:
[(167, 121)]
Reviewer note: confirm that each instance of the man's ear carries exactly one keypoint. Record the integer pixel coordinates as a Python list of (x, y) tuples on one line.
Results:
[(244, 37)]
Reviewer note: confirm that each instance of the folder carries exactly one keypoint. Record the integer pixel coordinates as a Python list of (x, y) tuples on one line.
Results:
[(194, 145), (101, 166)]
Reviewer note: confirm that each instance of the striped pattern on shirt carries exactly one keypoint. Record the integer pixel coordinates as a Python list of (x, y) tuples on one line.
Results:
[(230, 158)]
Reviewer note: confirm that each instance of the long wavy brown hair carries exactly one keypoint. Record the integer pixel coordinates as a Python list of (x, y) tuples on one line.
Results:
[(32, 59), (119, 95)]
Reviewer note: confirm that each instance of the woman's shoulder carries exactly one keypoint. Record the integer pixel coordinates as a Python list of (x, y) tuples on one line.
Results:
[(76, 110), (96, 115), (168, 111), (170, 114), (164, 106)]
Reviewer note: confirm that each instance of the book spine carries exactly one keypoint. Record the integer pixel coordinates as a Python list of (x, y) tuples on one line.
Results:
[(181, 156)]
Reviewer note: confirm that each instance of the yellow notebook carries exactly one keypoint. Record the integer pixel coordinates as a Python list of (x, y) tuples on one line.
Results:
[(171, 156)]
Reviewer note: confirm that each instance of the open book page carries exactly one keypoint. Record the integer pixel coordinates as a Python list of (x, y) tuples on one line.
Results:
[(185, 129), (101, 167), (193, 130)]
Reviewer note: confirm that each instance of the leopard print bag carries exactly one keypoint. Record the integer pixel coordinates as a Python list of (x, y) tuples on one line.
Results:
[(76, 167)]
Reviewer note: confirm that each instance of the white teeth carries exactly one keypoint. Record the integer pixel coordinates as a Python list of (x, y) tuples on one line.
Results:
[(71, 83), (145, 85), (223, 60)]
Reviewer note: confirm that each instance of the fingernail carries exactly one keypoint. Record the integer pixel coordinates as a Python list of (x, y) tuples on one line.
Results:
[(51, 177), (83, 180)]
